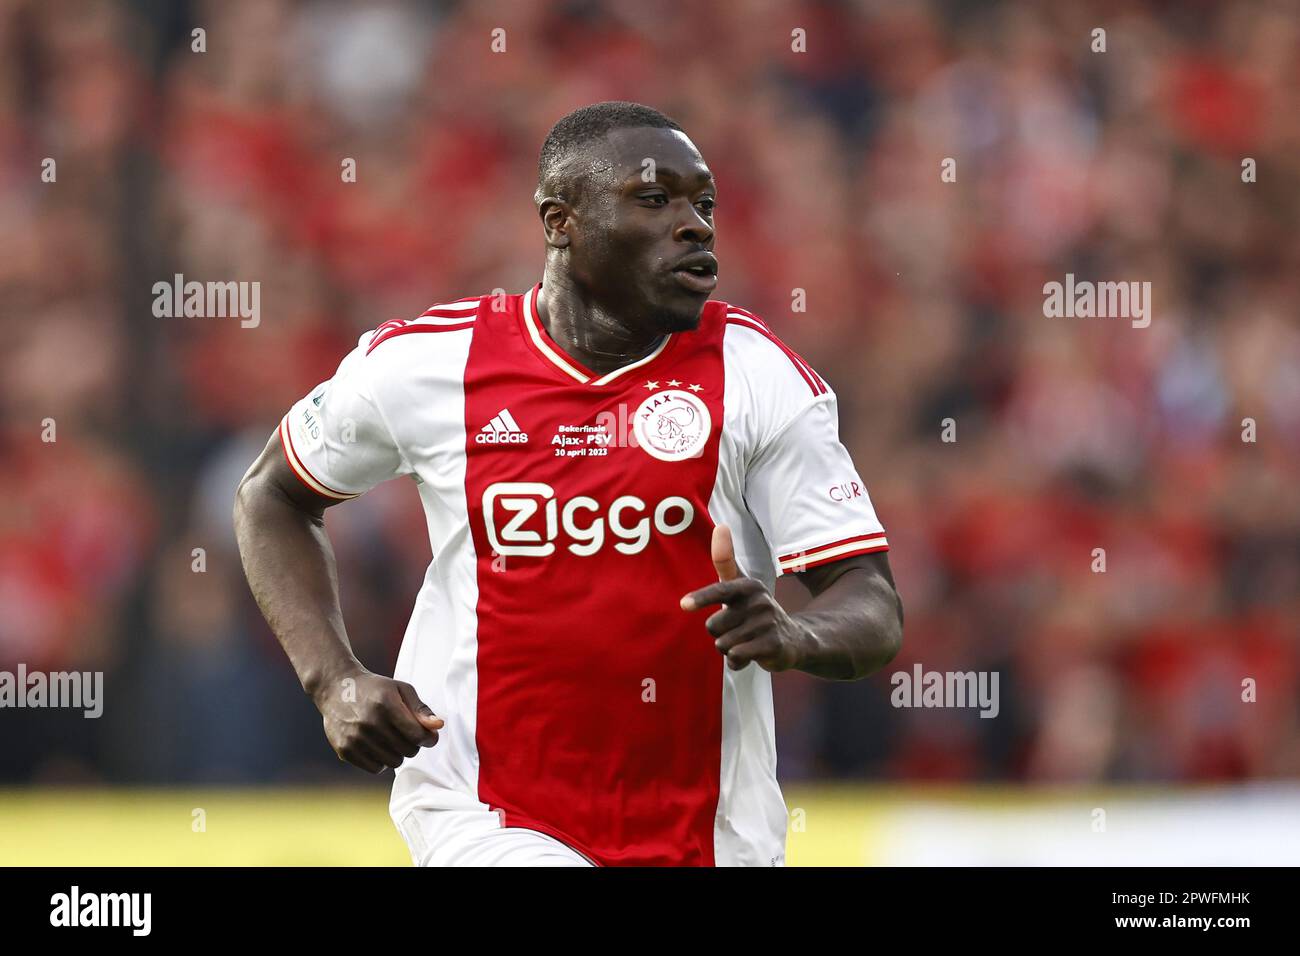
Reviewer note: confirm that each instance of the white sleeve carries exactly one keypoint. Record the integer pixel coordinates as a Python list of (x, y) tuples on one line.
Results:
[(336, 438), (807, 496)]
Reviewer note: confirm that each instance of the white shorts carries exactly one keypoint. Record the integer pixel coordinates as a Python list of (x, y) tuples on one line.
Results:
[(477, 838)]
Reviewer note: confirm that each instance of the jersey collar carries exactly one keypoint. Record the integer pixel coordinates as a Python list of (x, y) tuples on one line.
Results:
[(537, 338)]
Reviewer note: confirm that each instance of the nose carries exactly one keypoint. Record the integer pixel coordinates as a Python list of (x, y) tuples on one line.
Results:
[(693, 227)]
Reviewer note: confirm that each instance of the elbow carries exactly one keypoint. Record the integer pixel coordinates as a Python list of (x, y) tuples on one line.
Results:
[(242, 504), (248, 494), (893, 628), (243, 495), (885, 638)]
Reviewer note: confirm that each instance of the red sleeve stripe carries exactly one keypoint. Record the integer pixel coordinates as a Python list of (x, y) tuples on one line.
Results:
[(812, 378), (445, 317), (737, 310), (299, 469), (835, 544), (834, 551), (472, 299), (462, 308), (398, 327)]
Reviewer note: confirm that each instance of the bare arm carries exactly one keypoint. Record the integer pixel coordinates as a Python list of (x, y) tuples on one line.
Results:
[(289, 563), (370, 721), (855, 619)]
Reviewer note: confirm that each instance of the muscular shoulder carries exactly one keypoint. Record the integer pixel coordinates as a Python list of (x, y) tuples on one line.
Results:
[(768, 383), (441, 320), (426, 347), (414, 368)]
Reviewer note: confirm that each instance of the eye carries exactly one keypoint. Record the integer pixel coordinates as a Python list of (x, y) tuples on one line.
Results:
[(658, 199), (707, 204)]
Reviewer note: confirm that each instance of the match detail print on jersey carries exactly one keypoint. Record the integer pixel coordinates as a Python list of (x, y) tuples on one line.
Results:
[(567, 514)]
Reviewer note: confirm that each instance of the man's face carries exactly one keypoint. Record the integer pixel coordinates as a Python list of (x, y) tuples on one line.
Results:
[(641, 229)]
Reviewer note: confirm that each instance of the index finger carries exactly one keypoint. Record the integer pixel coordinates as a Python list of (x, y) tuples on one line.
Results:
[(720, 592)]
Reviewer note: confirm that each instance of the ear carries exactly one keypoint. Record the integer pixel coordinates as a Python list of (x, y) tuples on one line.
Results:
[(556, 217)]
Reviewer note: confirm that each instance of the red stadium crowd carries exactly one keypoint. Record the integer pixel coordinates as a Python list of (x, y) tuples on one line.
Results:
[(1008, 453)]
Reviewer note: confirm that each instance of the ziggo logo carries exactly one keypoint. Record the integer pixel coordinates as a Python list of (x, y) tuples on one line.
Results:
[(519, 501)]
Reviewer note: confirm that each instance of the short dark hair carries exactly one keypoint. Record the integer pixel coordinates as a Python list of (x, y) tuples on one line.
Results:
[(583, 126)]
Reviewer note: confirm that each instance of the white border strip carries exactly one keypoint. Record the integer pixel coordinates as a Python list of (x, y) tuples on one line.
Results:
[(850, 547), (530, 318), (300, 469)]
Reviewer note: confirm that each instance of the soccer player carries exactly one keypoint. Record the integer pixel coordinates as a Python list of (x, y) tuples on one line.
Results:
[(602, 459)]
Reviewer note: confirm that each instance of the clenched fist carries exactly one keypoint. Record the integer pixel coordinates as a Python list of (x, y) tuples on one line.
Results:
[(375, 722)]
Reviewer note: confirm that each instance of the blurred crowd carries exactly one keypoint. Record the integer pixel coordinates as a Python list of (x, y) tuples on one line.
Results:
[(1180, 661)]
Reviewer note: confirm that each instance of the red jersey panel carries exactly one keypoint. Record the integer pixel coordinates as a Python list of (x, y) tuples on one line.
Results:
[(568, 512)]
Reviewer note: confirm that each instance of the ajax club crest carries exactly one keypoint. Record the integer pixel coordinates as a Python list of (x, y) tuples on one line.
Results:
[(672, 425)]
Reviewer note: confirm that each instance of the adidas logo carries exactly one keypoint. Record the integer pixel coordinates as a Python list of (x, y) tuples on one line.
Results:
[(502, 430)]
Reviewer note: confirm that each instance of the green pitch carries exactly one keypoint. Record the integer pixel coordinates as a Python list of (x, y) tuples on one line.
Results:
[(323, 827)]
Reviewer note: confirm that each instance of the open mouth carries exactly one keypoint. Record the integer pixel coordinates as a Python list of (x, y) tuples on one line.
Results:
[(697, 272)]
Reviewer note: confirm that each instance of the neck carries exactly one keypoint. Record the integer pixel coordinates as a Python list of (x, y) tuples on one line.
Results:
[(598, 338)]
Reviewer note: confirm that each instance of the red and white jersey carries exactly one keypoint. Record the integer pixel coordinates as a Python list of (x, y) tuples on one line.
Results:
[(568, 513)]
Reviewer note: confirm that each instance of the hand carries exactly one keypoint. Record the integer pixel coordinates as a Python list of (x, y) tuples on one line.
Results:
[(375, 722), (751, 626)]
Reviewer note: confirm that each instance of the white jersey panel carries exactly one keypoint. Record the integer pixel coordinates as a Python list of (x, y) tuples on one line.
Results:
[(421, 391), (336, 438), (787, 488)]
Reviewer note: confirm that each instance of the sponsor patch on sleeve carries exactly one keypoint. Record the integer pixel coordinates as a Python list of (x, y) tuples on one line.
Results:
[(308, 432)]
